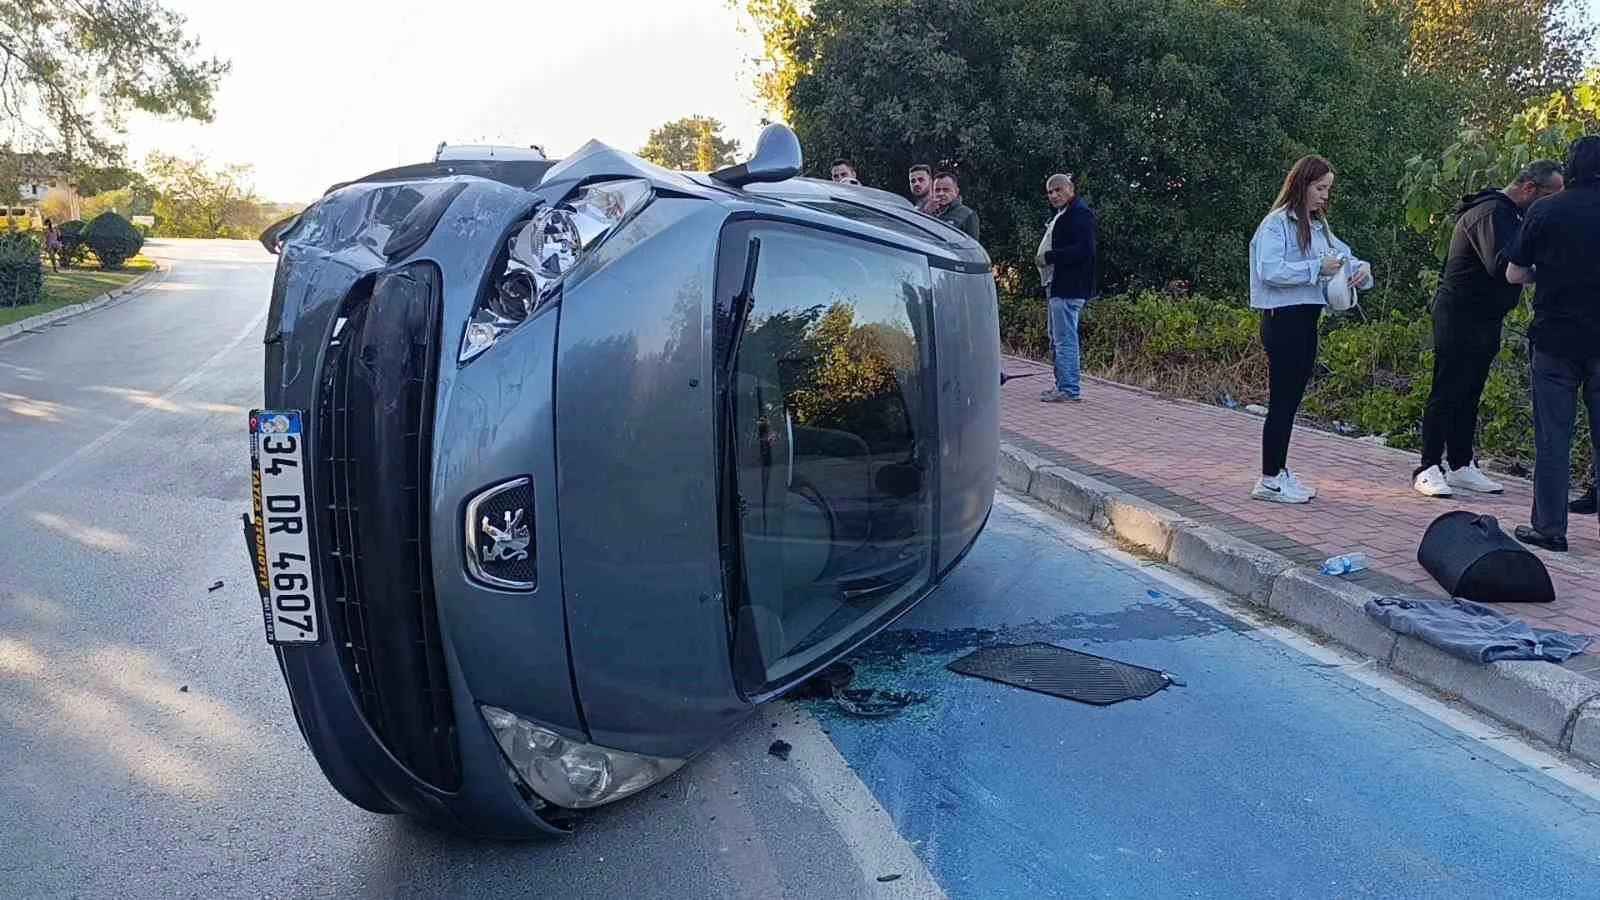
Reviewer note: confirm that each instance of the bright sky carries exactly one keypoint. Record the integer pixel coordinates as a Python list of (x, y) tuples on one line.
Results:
[(325, 90)]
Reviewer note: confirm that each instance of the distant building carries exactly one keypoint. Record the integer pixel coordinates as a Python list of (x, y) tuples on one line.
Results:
[(37, 175)]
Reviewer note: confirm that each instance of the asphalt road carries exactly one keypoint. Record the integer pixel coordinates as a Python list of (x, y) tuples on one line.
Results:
[(147, 748)]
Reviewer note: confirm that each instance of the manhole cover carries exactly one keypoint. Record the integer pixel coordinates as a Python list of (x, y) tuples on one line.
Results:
[(1060, 672)]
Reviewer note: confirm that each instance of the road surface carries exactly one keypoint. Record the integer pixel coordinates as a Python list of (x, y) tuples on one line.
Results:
[(147, 748)]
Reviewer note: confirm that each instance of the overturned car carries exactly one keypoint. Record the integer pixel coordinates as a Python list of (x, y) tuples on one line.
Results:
[(563, 467)]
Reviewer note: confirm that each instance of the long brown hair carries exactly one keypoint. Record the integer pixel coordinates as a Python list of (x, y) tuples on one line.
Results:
[(1293, 194)]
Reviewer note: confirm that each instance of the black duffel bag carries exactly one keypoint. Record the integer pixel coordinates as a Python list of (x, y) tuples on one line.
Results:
[(1473, 559)]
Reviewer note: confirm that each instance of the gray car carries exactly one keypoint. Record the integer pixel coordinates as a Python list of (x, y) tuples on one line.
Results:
[(564, 467)]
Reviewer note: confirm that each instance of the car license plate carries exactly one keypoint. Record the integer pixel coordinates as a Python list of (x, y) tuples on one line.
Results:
[(283, 546)]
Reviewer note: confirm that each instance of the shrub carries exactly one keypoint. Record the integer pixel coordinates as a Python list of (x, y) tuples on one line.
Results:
[(73, 246), (1023, 328), (113, 239), (1197, 347), (1373, 377), (21, 273)]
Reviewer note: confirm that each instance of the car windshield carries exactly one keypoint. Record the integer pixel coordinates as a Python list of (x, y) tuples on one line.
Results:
[(831, 440)]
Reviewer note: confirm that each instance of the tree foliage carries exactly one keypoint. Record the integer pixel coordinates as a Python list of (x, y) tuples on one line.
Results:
[(787, 28), (195, 199), (91, 180), (1178, 118), (690, 143), (1480, 158), (1502, 53), (72, 68)]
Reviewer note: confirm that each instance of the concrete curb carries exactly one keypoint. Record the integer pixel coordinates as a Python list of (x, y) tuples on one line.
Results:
[(67, 312), (1546, 701)]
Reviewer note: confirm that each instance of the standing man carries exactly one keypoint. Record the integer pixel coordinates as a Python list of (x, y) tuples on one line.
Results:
[(1066, 261), (1556, 251), (947, 199), (1468, 310), (921, 178), (843, 170)]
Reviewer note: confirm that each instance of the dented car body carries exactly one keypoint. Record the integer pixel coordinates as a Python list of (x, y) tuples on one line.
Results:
[(564, 467)]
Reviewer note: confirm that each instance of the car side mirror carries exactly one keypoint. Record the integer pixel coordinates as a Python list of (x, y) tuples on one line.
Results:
[(777, 158)]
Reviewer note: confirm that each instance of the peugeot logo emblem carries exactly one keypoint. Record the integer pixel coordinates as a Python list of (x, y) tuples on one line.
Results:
[(508, 543), (499, 531)]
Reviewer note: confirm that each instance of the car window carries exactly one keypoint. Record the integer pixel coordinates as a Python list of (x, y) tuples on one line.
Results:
[(832, 440)]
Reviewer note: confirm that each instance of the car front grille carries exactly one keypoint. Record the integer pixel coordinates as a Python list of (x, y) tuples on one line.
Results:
[(374, 448)]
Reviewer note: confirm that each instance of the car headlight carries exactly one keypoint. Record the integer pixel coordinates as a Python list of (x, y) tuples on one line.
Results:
[(541, 252), (571, 773)]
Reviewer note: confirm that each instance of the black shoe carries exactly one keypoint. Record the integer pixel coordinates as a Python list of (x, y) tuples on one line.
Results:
[(1583, 506), (1529, 536)]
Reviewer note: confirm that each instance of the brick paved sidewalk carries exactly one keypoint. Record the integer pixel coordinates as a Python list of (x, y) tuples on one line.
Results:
[(1201, 461)]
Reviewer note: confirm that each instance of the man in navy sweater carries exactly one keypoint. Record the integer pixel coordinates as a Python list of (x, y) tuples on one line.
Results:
[(1066, 261)]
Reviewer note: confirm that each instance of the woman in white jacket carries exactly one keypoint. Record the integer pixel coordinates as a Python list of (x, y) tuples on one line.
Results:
[(1293, 257)]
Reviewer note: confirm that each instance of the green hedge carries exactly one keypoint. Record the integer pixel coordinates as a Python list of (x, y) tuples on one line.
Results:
[(21, 273), (113, 239), (1372, 378), (73, 246)]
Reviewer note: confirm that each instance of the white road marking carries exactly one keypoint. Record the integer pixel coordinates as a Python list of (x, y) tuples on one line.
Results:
[(866, 827), (1359, 668)]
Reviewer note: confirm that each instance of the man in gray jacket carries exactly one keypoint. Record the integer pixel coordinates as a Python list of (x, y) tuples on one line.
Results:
[(947, 197)]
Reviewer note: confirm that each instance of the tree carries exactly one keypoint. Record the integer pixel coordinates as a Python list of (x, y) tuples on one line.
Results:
[(73, 68), (92, 180), (787, 28), (690, 143), (195, 200), (1480, 159), (59, 205), (1503, 54), (1179, 118)]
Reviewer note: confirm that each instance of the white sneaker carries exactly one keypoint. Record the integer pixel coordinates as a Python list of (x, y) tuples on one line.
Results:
[(1294, 481), (1472, 478), (1432, 482), (1278, 490)]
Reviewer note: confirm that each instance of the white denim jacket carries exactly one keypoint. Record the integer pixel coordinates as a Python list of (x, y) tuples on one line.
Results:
[(1282, 274)]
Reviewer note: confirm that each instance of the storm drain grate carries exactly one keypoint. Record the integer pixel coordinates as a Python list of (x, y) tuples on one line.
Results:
[(1060, 672)]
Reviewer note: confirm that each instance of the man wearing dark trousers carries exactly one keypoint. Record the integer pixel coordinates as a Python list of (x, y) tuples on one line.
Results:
[(1586, 505), (1468, 310), (1556, 252)]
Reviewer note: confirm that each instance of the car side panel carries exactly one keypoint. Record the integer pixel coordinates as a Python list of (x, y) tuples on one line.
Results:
[(637, 474)]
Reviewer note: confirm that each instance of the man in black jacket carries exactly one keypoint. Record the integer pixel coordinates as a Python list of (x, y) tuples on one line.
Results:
[(1066, 261), (1468, 310)]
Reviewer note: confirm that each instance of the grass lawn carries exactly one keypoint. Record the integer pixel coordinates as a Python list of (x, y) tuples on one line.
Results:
[(71, 286)]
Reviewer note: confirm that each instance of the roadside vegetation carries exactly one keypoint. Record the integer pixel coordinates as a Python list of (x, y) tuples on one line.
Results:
[(1178, 120)]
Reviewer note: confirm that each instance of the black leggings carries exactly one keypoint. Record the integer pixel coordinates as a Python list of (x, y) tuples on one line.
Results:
[(1290, 335)]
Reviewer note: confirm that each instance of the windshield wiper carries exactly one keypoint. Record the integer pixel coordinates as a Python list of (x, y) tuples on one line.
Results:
[(747, 665), (742, 304)]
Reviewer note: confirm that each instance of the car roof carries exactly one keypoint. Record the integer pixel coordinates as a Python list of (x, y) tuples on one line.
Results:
[(520, 173), (865, 211)]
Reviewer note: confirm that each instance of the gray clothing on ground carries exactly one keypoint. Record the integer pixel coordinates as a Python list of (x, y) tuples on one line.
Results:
[(1474, 631)]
